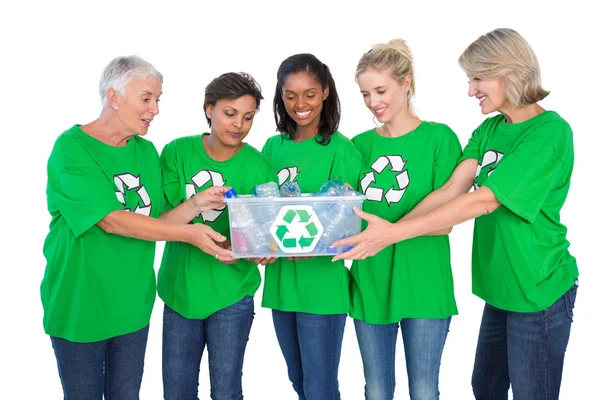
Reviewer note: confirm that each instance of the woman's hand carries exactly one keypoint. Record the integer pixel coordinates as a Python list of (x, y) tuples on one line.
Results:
[(210, 199), (210, 242), (263, 261), (226, 244), (369, 242)]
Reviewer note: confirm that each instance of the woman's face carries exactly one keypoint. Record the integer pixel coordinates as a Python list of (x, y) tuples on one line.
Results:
[(231, 120), (303, 98), (138, 107), (383, 95), (490, 93)]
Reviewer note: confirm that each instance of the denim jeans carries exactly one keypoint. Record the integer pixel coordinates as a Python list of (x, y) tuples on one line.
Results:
[(111, 367), (225, 334), (424, 341), (311, 345), (525, 350)]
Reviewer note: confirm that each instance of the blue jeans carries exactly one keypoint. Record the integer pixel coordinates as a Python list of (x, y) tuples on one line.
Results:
[(525, 350), (225, 334), (424, 341), (311, 345), (111, 367)]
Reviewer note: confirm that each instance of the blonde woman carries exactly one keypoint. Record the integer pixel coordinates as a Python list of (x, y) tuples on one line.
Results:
[(408, 285), (520, 163)]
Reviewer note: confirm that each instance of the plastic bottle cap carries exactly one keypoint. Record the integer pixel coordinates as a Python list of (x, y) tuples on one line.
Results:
[(231, 193)]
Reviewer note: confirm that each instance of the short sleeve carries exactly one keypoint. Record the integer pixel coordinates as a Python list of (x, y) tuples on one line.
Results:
[(448, 152), (171, 184), (525, 177), (266, 147), (264, 173), (347, 165), (473, 147), (80, 191)]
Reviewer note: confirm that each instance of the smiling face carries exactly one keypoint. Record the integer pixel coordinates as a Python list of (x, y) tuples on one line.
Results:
[(303, 98), (490, 94), (383, 95), (138, 107), (231, 120)]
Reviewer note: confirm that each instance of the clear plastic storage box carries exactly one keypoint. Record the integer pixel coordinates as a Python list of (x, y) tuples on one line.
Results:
[(291, 226)]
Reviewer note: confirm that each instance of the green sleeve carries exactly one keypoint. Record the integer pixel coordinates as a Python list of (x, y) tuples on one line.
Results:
[(173, 192), (78, 188), (347, 165), (448, 152), (524, 178), (265, 149), (264, 173), (473, 147)]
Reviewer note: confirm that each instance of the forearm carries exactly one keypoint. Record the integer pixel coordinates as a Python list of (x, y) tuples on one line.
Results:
[(183, 213), (462, 208), (458, 184), (139, 226), (434, 200)]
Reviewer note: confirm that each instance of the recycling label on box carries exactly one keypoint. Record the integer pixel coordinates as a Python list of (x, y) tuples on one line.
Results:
[(296, 229)]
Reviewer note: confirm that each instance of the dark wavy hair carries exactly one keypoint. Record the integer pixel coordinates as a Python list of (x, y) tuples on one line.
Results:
[(231, 86), (329, 120)]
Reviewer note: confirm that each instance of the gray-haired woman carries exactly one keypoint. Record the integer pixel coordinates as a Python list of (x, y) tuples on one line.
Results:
[(104, 195)]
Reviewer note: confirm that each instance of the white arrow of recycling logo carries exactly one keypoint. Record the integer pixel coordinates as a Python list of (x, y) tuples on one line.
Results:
[(491, 157), (130, 182), (201, 179), (285, 174), (391, 195), (296, 229)]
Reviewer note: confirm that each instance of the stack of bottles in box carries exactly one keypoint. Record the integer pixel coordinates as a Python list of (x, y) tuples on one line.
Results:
[(254, 222)]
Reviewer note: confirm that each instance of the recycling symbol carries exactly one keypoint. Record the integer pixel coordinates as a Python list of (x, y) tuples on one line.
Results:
[(490, 159), (296, 229), (392, 194), (127, 182), (202, 178), (287, 174)]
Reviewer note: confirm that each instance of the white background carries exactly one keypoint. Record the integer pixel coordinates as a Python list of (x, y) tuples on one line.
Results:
[(52, 56)]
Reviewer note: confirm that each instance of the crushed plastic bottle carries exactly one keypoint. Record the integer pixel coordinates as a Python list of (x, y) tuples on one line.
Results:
[(336, 217), (290, 189), (268, 189), (267, 212)]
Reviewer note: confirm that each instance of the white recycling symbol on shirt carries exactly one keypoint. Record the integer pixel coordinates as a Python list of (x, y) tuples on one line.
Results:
[(130, 182), (288, 173), (491, 157), (200, 179), (391, 195)]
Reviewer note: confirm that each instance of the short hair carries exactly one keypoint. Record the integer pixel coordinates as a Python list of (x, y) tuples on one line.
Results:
[(329, 120), (231, 86), (505, 54), (121, 70), (394, 57)]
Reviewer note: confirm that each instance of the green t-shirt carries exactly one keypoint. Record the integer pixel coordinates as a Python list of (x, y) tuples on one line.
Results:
[(98, 285), (316, 285), (521, 260), (191, 282), (413, 278)]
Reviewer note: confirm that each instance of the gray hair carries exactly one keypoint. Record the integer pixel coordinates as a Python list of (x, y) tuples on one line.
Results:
[(121, 70)]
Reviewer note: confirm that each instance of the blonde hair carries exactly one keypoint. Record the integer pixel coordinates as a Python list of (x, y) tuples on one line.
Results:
[(394, 57), (505, 54)]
